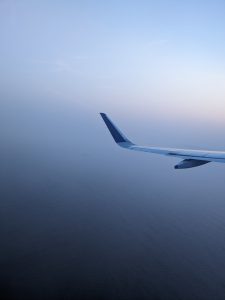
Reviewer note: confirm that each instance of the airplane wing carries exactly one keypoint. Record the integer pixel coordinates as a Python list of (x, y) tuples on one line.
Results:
[(191, 158)]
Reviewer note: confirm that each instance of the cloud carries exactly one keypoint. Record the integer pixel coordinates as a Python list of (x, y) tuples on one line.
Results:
[(60, 65), (57, 65)]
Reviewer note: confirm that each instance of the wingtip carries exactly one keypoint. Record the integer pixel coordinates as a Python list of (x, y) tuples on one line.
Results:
[(117, 135)]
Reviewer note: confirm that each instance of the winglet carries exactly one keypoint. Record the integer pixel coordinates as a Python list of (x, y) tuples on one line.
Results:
[(117, 135)]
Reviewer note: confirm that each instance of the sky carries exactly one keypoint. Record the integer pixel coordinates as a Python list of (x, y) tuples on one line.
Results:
[(160, 58), (80, 217)]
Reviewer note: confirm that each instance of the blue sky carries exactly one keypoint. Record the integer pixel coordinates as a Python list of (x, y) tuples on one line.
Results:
[(163, 58)]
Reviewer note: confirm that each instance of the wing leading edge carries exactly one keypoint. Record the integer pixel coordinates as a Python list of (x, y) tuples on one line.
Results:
[(191, 158)]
